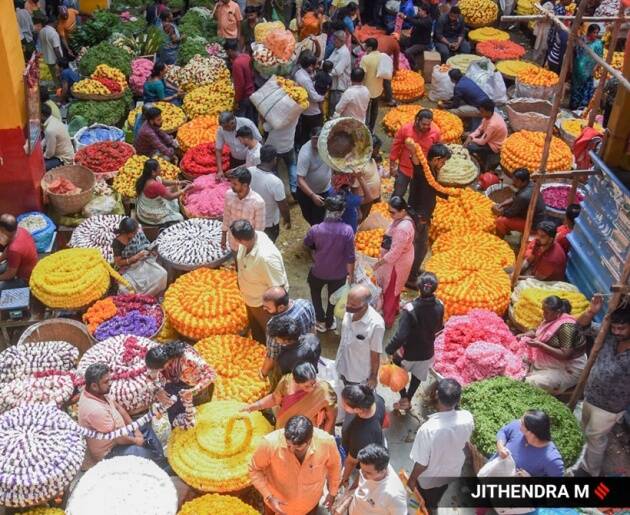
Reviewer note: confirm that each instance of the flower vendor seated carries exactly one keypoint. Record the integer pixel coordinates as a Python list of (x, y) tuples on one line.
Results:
[(168, 51), (528, 442), (571, 213), (511, 213), (97, 411), (544, 258), (18, 254), (396, 257), (467, 96), (301, 393), (297, 451), (295, 347), (157, 198), (135, 262), (68, 78), (558, 346), (58, 149), (412, 346), (180, 371), (362, 425), (252, 155), (486, 140), (151, 140), (449, 34), (157, 88)]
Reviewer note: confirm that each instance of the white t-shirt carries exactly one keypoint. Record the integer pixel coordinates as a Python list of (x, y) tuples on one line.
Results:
[(385, 497), (271, 189), (252, 158), (282, 139), (48, 41), (316, 173), (439, 445), (237, 149)]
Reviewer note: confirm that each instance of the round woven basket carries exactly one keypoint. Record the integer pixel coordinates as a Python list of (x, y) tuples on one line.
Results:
[(86, 96), (81, 177), (62, 329), (152, 337)]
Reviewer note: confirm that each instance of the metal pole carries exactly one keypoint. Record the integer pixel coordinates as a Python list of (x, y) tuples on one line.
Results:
[(566, 63)]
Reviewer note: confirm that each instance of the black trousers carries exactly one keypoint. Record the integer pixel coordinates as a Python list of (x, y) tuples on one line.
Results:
[(372, 113), (273, 232), (317, 285), (420, 247), (482, 153), (306, 124), (432, 496), (312, 214), (247, 110), (401, 184)]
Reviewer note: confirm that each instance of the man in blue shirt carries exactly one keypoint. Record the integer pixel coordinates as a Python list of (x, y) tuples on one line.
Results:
[(467, 96)]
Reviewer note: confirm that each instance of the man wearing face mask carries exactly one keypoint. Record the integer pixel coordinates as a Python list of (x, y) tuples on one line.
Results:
[(151, 140), (361, 343)]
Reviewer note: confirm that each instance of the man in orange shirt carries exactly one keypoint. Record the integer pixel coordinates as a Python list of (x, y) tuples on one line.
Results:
[(229, 17), (291, 465), (486, 141), (66, 25), (425, 133)]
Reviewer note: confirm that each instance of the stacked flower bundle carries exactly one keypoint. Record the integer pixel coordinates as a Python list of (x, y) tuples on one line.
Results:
[(536, 76), (477, 346), (213, 456), (556, 196), (202, 129), (236, 361), (206, 198), (497, 50), (192, 243), (131, 314), (451, 126), (488, 247), (407, 85), (382, 208), (512, 67), (105, 81), (294, 90), (369, 242), (97, 232), (523, 149), (216, 503), (131, 385), (72, 278), (428, 174), (172, 116), (140, 71), (488, 34), (211, 99), (104, 157), (130, 172), (459, 170), (201, 160), (468, 212), (205, 303), (199, 71)]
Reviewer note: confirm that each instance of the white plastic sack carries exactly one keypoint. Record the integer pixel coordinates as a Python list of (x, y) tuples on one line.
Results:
[(526, 91), (275, 105), (484, 74), (385, 69), (498, 467), (495, 88), (480, 71), (327, 371), (441, 85), (101, 205)]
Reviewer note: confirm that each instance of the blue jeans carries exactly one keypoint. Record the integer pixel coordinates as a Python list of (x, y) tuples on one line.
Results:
[(53, 162), (151, 450), (290, 163)]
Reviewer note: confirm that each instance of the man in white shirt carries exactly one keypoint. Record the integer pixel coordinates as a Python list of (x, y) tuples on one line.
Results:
[(49, 43), (270, 187), (312, 116), (355, 100), (438, 450), (245, 135), (58, 145), (226, 135), (342, 63), (313, 179), (25, 22), (361, 343), (283, 140)]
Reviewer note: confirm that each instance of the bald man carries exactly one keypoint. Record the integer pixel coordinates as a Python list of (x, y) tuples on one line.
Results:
[(18, 254), (276, 302), (361, 344)]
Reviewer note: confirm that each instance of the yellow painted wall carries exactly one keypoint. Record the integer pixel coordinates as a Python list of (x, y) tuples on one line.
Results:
[(12, 106), (89, 6)]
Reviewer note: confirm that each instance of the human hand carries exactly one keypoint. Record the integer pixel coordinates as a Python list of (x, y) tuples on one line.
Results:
[(371, 382), (330, 500), (219, 176), (503, 452), (186, 395), (163, 398), (532, 342), (496, 209), (276, 505), (318, 200), (142, 254), (138, 440), (287, 224), (597, 301)]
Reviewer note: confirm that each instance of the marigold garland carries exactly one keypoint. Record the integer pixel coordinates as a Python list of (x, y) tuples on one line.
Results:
[(294, 90), (497, 49), (451, 126), (369, 242), (537, 76), (486, 247), (211, 504), (43, 511), (125, 180), (382, 208), (428, 174), (202, 129), (236, 361), (72, 278), (523, 149), (200, 456), (617, 64), (512, 67), (407, 85), (487, 34), (205, 303), (470, 211), (172, 116)]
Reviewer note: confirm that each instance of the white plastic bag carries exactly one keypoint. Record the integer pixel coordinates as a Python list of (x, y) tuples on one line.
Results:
[(480, 71), (495, 88), (275, 105), (101, 205), (498, 467), (441, 85), (484, 74), (327, 371), (385, 68)]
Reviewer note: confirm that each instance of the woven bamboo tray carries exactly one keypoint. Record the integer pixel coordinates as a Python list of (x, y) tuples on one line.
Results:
[(81, 177), (86, 96), (61, 329)]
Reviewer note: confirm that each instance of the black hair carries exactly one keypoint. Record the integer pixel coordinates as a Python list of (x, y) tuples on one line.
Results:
[(455, 74), (268, 153), (424, 114), (335, 204), (572, 212), (557, 304), (242, 230), (327, 66), (487, 105), (371, 43), (307, 58), (157, 357), (251, 9), (46, 111), (150, 166), (241, 174), (8, 223), (303, 372), (157, 69), (64, 63), (95, 372), (449, 392), (298, 430), (538, 422), (18, 4), (283, 327), (230, 44), (427, 283), (374, 454), (547, 227), (439, 150), (282, 300), (522, 174), (126, 226), (621, 315), (593, 27), (346, 10), (358, 396), (245, 132), (44, 94), (225, 117), (424, 7), (151, 113), (357, 75), (455, 10)]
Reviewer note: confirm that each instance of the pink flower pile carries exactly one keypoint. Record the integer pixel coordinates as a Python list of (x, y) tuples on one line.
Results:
[(477, 346), (557, 197), (206, 197), (140, 72)]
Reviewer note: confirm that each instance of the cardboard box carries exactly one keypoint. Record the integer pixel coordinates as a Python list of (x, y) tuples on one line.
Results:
[(431, 58)]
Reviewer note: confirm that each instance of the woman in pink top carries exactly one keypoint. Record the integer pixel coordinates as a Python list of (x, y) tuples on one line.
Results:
[(487, 139), (392, 269)]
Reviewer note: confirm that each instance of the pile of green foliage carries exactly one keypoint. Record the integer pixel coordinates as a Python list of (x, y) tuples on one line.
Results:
[(107, 112), (104, 53), (96, 29)]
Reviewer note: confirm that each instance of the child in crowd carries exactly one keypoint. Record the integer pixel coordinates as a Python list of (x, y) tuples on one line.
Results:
[(323, 83)]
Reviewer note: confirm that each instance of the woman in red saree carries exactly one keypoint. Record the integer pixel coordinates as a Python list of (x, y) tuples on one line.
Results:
[(301, 393)]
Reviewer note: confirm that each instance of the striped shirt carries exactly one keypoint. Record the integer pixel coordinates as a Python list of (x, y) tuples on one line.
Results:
[(302, 311), (250, 208)]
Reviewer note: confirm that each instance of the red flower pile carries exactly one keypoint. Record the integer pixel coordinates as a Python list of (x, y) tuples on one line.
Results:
[(498, 50), (104, 156), (201, 159), (112, 85)]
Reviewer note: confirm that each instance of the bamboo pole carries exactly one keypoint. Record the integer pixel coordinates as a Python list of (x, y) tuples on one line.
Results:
[(572, 191), (600, 338), (535, 17), (569, 174), (547, 146)]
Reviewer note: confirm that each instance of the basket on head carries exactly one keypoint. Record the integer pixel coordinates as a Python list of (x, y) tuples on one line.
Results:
[(62, 329), (81, 177)]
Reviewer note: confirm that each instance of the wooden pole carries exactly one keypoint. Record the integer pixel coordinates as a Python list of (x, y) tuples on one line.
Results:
[(601, 336), (534, 17), (566, 63), (572, 191), (563, 175)]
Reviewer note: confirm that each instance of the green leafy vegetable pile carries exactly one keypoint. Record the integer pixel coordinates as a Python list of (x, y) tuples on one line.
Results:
[(104, 53), (96, 29), (197, 22), (108, 112), (497, 401)]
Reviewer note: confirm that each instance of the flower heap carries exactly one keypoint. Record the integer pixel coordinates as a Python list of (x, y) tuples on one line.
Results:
[(130, 172), (488, 34), (527, 303), (216, 503), (167, 333), (40, 454), (172, 116), (236, 361), (205, 303), (488, 247), (213, 456), (500, 49), (537, 76), (40, 510), (476, 346), (111, 77), (407, 85), (97, 232), (575, 126), (617, 63), (460, 169), (72, 278), (37, 372), (556, 196), (478, 13), (369, 242), (202, 129), (451, 126), (211, 99), (382, 208), (511, 67), (201, 160), (104, 157), (470, 211), (199, 71), (132, 314), (131, 386), (206, 198), (428, 174), (523, 149), (90, 87), (124, 484), (294, 90), (193, 243), (141, 69)]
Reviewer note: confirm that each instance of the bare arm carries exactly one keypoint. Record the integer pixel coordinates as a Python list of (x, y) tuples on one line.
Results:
[(283, 205), (348, 467)]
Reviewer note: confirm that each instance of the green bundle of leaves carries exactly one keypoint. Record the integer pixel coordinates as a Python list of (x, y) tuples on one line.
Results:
[(96, 29), (108, 112), (104, 53), (193, 23), (133, 28), (189, 48), (500, 400)]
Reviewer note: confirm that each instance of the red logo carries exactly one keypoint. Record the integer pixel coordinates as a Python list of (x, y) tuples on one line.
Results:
[(601, 491)]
